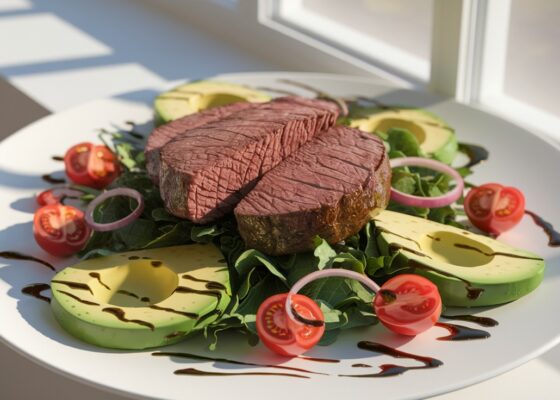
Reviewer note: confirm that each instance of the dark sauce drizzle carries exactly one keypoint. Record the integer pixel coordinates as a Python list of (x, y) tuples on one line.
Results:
[(36, 290), (171, 310), (209, 284), (383, 230), (360, 365), (392, 369), (14, 255), (89, 303), (476, 154), (176, 334), (321, 360), (213, 293), (156, 264), (129, 294), (306, 321), (57, 158), (73, 285), (553, 234), (460, 332), (207, 316), (52, 180), (396, 247), (197, 372), (235, 362), (482, 321), (467, 247), (472, 292), (120, 314), (97, 276)]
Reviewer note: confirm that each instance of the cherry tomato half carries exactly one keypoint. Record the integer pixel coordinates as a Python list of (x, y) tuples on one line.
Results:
[(91, 165), (60, 230), (281, 334), (47, 197), (408, 304), (494, 208)]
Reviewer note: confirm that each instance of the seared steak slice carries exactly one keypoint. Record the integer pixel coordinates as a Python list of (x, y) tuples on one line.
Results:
[(164, 133), (326, 188), (206, 171)]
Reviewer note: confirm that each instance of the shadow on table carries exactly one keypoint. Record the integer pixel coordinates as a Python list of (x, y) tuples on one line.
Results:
[(136, 34)]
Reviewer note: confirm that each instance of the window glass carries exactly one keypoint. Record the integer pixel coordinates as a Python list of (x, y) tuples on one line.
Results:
[(533, 54), (406, 24)]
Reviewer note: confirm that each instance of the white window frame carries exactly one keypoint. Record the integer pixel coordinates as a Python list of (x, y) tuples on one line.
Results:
[(355, 44), (469, 45), (468, 55)]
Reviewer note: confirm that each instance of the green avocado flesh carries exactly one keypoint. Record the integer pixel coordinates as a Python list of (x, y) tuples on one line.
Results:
[(201, 95), (436, 139), (469, 269), (142, 299)]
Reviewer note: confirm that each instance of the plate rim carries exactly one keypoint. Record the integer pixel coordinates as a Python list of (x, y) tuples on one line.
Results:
[(546, 139)]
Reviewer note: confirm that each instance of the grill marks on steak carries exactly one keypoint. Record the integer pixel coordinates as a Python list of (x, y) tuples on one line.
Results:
[(165, 133), (207, 170), (327, 188)]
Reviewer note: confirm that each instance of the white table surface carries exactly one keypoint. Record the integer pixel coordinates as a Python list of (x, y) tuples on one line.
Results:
[(65, 52)]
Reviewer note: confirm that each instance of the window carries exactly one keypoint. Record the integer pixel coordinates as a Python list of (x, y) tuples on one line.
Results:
[(392, 34), (500, 55), (532, 70)]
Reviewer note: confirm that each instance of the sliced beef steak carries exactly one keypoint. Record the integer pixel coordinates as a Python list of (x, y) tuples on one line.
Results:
[(165, 133), (206, 171), (327, 188)]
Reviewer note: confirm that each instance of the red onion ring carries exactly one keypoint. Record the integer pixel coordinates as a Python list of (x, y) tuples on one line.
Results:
[(326, 273), (427, 202), (110, 226)]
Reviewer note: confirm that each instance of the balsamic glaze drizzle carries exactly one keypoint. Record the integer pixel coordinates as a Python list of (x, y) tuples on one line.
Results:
[(460, 332), (235, 362), (213, 293), (127, 293), (120, 314), (52, 180), (476, 154), (197, 372), (321, 360), (36, 289), (171, 310), (472, 292), (90, 303), (209, 284), (73, 285), (553, 234), (392, 369), (467, 247), (482, 321), (14, 255), (306, 321), (97, 276)]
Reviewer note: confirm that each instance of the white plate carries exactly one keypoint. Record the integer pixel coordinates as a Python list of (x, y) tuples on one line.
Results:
[(528, 327)]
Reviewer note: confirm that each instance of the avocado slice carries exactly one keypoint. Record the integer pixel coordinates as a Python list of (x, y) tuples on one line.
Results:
[(469, 269), (142, 299), (436, 139), (200, 95)]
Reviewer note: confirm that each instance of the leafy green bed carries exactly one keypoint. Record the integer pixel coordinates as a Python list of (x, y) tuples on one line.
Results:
[(255, 276)]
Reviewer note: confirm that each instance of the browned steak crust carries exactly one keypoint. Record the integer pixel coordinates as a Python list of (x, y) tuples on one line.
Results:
[(327, 188)]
